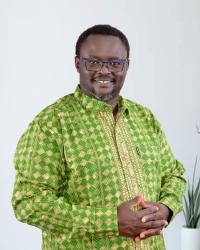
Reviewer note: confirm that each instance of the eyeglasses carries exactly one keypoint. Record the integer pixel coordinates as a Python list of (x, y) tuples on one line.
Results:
[(95, 65)]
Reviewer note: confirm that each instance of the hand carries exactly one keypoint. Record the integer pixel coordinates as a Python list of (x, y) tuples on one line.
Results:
[(130, 222), (163, 213)]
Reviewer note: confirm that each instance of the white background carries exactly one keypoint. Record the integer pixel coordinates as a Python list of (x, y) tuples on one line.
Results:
[(37, 40)]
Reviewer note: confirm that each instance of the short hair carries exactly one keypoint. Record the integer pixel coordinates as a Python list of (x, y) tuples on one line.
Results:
[(102, 29)]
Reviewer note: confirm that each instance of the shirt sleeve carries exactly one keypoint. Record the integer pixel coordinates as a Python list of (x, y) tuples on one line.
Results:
[(172, 181), (38, 191)]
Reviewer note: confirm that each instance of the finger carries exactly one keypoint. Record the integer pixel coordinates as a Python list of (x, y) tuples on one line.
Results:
[(135, 202), (139, 194), (155, 224), (137, 238), (143, 203), (150, 203), (149, 232), (147, 211), (150, 217)]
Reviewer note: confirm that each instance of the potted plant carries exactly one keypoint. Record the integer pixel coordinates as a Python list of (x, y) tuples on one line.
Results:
[(190, 234)]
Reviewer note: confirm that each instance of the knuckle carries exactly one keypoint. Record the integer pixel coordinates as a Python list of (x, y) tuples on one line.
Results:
[(163, 223), (152, 209), (151, 224), (156, 231), (159, 231), (150, 233)]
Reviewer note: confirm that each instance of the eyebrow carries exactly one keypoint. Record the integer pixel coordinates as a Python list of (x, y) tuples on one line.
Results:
[(108, 59)]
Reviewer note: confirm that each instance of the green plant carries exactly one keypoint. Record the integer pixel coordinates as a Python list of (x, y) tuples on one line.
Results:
[(191, 208)]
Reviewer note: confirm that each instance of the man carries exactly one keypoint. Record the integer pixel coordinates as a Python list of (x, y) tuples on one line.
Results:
[(94, 170)]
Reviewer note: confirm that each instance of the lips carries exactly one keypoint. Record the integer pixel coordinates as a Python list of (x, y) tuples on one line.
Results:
[(103, 81)]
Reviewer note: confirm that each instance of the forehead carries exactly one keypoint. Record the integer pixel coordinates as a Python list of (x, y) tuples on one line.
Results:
[(103, 47)]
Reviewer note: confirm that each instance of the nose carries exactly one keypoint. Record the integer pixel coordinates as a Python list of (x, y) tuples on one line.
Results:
[(104, 69)]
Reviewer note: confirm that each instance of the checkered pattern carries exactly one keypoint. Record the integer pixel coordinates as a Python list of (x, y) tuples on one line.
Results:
[(75, 164)]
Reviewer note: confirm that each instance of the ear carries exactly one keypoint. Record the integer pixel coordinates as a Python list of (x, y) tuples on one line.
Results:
[(77, 63), (128, 64)]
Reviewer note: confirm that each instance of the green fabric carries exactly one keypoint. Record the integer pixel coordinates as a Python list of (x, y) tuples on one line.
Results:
[(75, 164)]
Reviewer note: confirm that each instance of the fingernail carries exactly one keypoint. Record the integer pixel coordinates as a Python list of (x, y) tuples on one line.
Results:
[(143, 219), (166, 223), (142, 235), (156, 208), (137, 239)]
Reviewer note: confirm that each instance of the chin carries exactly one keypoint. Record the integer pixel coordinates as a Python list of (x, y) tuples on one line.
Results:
[(104, 97)]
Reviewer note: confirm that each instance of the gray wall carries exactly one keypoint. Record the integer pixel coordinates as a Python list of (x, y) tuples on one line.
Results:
[(37, 42)]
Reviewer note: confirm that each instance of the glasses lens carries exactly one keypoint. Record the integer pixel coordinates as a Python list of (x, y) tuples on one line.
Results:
[(115, 66), (92, 65)]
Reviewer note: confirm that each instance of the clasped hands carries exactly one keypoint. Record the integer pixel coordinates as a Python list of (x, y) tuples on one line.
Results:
[(148, 221)]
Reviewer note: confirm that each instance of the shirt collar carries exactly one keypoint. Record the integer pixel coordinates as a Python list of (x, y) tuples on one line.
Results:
[(90, 103)]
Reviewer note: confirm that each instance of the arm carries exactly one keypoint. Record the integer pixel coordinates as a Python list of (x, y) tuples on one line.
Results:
[(40, 178), (173, 183)]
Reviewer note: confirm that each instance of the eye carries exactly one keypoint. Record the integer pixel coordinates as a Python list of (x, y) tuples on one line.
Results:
[(93, 62), (115, 63)]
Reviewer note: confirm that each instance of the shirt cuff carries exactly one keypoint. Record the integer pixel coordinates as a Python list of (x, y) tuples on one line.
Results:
[(172, 204)]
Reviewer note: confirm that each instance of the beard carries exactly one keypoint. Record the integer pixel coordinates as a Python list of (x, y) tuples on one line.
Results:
[(106, 97)]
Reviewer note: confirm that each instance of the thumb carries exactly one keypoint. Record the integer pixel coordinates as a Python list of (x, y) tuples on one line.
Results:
[(143, 204), (135, 201)]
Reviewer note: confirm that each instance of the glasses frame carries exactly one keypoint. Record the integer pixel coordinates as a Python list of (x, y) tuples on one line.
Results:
[(101, 63)]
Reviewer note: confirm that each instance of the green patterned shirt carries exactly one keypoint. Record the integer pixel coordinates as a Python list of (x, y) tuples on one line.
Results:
[(76, 163)]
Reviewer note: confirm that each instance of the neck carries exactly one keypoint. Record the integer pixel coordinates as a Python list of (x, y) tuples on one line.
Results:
[(115, 106), (113, 102)]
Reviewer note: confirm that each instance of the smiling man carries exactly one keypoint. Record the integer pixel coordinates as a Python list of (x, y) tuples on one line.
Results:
[(94, 170), (106, 63)]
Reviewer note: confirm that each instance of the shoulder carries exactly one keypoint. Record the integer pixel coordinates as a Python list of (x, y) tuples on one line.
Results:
[(60, 105), (142, 114), (137, 108), (49, 119), (46, 126)]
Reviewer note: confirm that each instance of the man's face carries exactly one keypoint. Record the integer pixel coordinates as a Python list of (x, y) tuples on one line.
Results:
[(102, 84)]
